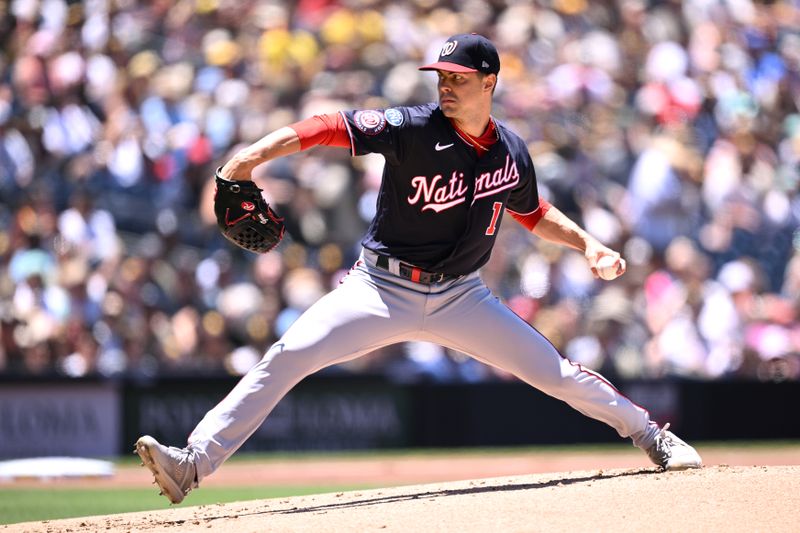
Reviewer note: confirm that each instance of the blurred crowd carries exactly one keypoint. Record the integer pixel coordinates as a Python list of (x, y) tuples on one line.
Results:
[(670, 130)]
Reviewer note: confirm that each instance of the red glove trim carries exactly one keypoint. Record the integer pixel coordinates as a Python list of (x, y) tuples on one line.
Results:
[(233, 222)]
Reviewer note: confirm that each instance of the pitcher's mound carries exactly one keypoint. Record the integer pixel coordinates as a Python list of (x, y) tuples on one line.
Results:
[(718, 498)]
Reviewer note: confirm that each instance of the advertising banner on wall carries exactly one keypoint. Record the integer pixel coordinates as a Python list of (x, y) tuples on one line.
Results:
[(316, 415), (72, 419)]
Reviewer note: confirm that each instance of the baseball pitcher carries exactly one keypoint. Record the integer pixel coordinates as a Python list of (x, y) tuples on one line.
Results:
[(451, 171)]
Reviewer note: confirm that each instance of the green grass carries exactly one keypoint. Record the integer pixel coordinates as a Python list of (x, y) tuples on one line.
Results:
[(30, 504)]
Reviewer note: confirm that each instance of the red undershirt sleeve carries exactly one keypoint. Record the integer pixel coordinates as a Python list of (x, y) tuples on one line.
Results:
[(530, 220), (327, 130)]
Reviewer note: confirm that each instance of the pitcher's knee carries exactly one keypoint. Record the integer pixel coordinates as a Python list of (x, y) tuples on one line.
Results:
[(558, 384), (279, 359)]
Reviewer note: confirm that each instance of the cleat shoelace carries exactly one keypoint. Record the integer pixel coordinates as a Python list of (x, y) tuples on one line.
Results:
[(664, 442), (184, 467)]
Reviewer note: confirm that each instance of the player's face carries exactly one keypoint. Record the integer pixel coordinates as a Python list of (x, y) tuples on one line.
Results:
[(459, 92)]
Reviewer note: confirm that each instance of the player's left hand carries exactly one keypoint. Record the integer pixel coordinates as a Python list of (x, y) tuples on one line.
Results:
[(244, 217)]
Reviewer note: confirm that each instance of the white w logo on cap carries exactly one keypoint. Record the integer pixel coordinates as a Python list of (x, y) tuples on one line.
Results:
[(448, 48)]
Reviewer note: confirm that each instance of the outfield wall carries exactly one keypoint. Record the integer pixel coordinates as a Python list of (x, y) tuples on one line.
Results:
[(103, 418), (46, 419)]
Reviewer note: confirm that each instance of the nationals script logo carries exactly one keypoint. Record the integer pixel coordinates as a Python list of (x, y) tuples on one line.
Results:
[(437, 195)]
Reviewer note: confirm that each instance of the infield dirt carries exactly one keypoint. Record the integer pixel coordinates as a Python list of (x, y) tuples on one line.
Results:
[(714, 498)]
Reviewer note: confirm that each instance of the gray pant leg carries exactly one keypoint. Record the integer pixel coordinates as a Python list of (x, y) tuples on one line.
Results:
[(356, 318), (473, 321)]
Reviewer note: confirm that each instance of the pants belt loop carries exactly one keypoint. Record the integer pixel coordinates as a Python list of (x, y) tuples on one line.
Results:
[(389, 264), (394, 266)]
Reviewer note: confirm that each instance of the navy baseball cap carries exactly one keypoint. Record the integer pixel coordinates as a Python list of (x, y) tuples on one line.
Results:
[(467, 52)]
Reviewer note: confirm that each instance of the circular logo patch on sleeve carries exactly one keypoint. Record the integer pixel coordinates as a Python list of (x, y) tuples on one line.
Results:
[(370, 122), (393, 116)]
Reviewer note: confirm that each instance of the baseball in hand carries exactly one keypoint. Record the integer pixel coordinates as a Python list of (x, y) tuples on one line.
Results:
[(607, 267)]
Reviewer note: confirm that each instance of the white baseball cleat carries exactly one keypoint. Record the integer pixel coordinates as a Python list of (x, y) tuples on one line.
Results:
[(173, 468), (671, 453)]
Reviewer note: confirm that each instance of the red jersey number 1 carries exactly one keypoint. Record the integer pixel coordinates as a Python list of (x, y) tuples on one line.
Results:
[(497, 208)]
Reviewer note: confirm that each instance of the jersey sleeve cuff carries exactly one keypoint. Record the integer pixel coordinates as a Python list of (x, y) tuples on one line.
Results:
[(529, 220), (349, 134)]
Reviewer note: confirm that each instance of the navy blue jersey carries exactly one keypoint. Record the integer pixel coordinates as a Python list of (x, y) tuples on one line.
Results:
[(440, 205)]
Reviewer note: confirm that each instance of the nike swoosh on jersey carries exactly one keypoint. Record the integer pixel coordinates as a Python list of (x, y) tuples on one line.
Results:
[(440, 147)]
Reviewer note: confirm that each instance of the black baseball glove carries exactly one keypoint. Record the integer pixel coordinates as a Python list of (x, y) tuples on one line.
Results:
[(244, 217)]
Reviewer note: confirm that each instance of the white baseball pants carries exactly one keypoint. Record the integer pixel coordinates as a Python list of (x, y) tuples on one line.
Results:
[(372, 308)]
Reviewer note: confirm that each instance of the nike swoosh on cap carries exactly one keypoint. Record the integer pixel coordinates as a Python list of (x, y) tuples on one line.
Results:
[(440, 147)]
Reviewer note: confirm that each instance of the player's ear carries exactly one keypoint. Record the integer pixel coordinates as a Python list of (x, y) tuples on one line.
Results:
[(489, 82)]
